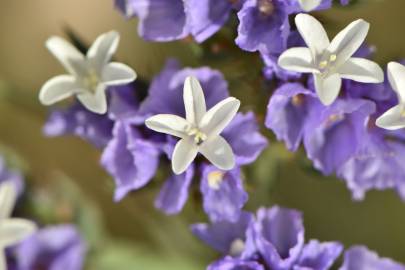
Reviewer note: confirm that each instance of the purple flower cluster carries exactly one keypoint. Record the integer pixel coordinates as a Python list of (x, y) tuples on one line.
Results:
[(341, 138), (263, 24), (274, 239), (131, 152)]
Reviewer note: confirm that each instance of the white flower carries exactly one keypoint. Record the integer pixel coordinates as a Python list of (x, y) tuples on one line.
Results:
[(330, 62), (199, 132), (308, 5), (12, 230), (90, 74), (394, 118)]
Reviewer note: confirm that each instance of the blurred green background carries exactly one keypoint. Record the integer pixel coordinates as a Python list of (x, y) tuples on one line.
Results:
[(157, 240)]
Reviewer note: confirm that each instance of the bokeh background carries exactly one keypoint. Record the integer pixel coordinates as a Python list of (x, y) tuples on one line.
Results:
[(158, 241)]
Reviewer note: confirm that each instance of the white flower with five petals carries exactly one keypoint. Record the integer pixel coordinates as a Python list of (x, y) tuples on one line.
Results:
[(199, 132), (90, 74), (394, 118), (308, 5), (330, 62), (12, 230)]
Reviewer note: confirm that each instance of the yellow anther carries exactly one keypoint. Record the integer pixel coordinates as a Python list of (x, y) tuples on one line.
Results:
[(214, 179), (92, 80), (323, 64), (332, 57), (266, 7)]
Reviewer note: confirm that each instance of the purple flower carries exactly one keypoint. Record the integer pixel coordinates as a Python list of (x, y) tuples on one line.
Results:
[(227, 237), (229, 263), (263, 25), (279, 235), (223, 193), (246, 145), (318, 256), (130, 159), (333, 134), (360, 258), (174, 193), (159, 20), (7, 174), (288, 111), (53, 248)]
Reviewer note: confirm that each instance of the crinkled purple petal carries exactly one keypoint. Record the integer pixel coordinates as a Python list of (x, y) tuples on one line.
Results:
[(360, 258), (130, 159), (229, 263), (287, 113), (246, 145), (123, 103), (263, 25), (225, 236), (223, 193), (53, 248), (174, 193), (318, 256), (279, 236)]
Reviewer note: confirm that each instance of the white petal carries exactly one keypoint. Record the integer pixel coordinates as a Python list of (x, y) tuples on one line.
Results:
[(361, 70), (328, 88), (194, 100), (392, 119), (94, 102), (219, 116), (8, 197), (57, 89), (313, 34), (168, 124), (3, 262), (218, 152), (347, 41), (14, 230), (184, 153), (102, 50), (396, 77), (297, 59), (308, 5), (117, 74), (70, 57)]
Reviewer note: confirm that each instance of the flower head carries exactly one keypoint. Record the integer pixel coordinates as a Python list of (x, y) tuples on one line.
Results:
[(199, 131), (330, 62), (89, 75)]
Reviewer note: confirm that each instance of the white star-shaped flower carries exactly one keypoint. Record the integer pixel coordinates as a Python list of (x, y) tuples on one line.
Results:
[(394, 118), (89, 75), (199, 132), (308, 5), (330, 62), (12, 230)]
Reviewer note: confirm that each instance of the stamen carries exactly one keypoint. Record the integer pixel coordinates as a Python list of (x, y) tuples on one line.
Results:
[(332, 57), (297, 100), (266, 7), (215, 179), (199, 137), (323, 64), (92, 80), (237, 247)]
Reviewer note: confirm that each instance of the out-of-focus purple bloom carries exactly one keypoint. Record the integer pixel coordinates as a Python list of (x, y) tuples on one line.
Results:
[(318, 256), (263, 25), (344, 2), (360, 258), (279, 235), (77, 120), (7, 174), (246, 145), (230, 263), (130, 159), (166, 90), (288, 111), (223, 193), (174, 193), (53, 248), (228, 238), (159, 20), (333, 133)]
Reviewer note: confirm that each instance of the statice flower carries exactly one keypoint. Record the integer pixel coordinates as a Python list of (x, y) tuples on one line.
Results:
[(53, 248), (360, 258), (274, 239)]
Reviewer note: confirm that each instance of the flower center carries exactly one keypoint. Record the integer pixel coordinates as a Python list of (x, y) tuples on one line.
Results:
[(327, 64), (297, 100), (215, 179), (266, 7), (91, 80), (333, 118), (199, 137), (237, 247)]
